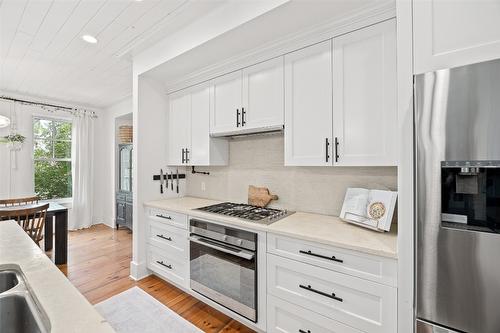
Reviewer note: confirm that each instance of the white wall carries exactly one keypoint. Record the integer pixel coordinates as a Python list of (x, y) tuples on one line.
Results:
[(149, 155), (105, 167)]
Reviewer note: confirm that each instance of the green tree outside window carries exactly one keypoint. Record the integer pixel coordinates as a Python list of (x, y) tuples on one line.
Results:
[(52, 158)]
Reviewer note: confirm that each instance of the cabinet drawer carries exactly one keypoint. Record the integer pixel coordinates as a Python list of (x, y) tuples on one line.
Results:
[(168, 266), (370, 267), (362, 304), (169, 238), (285, 317), (169, 218)]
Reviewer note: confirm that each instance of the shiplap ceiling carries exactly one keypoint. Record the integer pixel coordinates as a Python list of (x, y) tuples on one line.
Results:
[(43, 55)]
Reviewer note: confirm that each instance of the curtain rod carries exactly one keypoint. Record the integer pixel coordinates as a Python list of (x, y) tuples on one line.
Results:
[(47, 105)]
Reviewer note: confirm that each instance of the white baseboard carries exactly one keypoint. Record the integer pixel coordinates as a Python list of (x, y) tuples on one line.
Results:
[(106, 221), (138, 271)]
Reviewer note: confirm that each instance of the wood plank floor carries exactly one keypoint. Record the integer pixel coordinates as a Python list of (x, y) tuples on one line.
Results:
[(98, 265)]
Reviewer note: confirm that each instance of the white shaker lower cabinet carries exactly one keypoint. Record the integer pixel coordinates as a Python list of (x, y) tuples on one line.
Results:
[(328, 288), (362, 304), (285, 317), (454, 33), (366, 266), (308, 106), (365, 96), (168, 246)]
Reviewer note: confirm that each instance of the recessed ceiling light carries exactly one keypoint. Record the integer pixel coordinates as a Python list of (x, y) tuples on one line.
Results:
[(4, 121), (89, 39)]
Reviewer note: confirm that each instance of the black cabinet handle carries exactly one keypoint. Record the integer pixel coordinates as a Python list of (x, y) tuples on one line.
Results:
[(187, 155), (311, 289), (237, 117), (302, 331), (336, 149), (163, 264), (309, 253), (243, 113), (165, 238), (182, 155), (164, 217), (327, 145)]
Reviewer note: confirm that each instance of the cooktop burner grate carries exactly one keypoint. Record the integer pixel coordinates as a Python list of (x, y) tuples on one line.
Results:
[(247, 212)]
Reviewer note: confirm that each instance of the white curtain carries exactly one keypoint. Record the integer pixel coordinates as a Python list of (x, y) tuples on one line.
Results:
[(82, 169)]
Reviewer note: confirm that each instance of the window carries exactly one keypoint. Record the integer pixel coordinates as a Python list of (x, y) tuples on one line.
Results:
[(52, 158)]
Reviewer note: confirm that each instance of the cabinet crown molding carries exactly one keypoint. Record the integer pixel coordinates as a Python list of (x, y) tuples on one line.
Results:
[(372, 14)]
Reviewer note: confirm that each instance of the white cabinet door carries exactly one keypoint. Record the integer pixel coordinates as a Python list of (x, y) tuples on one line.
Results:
[(308, 105), (286, 317), (364, 96), (199, 154), (225, 107), (263, 91), (454, 33), (179, 126), (362, 304)]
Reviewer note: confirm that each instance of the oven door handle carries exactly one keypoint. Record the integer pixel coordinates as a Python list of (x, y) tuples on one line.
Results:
[(240, 253)]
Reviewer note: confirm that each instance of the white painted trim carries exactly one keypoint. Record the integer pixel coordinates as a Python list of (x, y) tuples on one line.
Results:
[(138, 271), (406, 167), (370, 15)]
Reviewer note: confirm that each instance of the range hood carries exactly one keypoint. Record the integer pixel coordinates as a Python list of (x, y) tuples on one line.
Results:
[(250, 131)]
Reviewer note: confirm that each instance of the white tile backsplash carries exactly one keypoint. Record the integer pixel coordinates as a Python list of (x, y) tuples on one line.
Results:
[(258, 160)]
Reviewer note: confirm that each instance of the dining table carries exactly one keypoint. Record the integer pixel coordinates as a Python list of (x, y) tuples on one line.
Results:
[(57, 215)]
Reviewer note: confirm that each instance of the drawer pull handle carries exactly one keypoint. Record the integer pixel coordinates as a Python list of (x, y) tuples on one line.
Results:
[(332, 295), (163, 264), (164, 217), (165, 238), (302, 331), (321, 256)]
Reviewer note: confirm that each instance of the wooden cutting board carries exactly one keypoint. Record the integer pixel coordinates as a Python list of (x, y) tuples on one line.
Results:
[(260, 196)]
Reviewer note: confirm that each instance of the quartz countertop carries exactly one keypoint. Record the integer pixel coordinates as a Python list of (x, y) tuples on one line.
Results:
[(323, 229), (66, 309)]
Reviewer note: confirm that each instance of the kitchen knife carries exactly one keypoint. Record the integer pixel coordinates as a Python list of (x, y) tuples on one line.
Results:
[(171, 180), (177, 175), (161, 181)]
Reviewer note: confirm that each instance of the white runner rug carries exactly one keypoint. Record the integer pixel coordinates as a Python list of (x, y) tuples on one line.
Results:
[(134, 311)]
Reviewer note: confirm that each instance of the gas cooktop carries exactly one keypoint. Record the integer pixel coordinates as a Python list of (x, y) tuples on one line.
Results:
[(247, 212)]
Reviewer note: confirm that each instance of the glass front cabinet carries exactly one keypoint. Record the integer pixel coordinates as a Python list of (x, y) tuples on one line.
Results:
[(124, 190)]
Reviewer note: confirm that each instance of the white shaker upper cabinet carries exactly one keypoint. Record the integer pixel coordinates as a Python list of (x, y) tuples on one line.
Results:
[(204, 149), (308, 106), (226, 103), (200, 137), (263, 90), (364, 96), (179, 127), (454, 33)]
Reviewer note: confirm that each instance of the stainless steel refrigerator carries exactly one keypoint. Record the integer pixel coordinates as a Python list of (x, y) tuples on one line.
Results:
[(457, 129)]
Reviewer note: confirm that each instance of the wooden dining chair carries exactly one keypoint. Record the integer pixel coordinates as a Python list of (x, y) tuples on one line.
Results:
[(19, 201), (30, 217)]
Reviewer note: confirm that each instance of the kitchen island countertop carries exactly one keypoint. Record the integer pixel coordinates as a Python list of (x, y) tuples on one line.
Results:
[(323, 229), (66, 309)]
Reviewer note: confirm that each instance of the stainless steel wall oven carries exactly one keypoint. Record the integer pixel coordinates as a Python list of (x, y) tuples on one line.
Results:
[(223, 266)]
